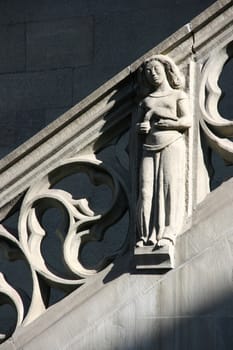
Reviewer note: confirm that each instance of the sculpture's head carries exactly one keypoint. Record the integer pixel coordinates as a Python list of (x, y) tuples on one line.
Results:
[(159, 67), (155, 72)]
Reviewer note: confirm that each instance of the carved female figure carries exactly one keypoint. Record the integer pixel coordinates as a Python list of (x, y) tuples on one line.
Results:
[(164, 116)]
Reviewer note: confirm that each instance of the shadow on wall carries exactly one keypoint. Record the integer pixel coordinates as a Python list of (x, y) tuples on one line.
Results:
[(199, 332), (135, 325), (210, 328)]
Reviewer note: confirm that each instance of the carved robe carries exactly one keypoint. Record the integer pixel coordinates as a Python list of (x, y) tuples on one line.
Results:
[(161, 203)]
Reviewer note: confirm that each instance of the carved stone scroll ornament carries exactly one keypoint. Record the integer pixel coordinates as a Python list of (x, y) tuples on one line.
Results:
[(216, 128), (163, 118), (81, 225)]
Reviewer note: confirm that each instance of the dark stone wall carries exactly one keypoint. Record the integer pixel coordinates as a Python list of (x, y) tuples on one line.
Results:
[(54, 53)]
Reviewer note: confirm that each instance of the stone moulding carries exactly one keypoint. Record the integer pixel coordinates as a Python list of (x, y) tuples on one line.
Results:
[(93, 138)]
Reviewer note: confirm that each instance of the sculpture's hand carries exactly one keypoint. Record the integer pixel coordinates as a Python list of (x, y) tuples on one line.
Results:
[(144, 127), (167, 124)]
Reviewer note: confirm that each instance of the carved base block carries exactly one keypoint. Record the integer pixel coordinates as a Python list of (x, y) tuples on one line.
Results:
[(154, 258)]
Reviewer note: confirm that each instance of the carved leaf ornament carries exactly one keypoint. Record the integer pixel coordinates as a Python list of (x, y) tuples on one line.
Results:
[(81, 223)]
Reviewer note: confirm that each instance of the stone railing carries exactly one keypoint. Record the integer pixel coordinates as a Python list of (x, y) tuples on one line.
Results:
[(78, 178)]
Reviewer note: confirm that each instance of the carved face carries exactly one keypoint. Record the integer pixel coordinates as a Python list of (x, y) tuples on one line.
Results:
[(155, 73)]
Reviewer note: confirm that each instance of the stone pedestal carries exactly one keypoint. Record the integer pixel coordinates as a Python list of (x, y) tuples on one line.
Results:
[(154, 258)]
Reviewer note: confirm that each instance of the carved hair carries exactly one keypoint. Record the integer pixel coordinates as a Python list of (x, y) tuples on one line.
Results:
[(173, 74)]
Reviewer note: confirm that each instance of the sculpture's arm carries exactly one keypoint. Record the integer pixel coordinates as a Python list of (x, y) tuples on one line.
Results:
[(143, 126), (183, 113), (184, 119)]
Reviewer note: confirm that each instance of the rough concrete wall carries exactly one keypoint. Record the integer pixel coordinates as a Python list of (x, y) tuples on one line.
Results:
[(54, 53)]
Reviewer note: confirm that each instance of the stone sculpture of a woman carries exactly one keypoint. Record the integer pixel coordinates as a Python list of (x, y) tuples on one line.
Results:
[(163, 118)]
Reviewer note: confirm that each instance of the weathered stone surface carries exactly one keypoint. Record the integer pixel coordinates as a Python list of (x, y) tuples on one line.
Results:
[(12, 42), (25, 91), (6, 150), (195, 333), (211, 271), (226, 104), (121, 6), (108, 31), (8, 345), (63, 43), (14, 11), (31, 122), (224, 330), (52, 114), (212, 217), (124, 6), (88, 79), (7, 130)]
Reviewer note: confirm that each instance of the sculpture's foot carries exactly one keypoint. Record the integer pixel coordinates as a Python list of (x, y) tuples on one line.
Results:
[(150, 242), (168, 237), (165, 242), (142, 243)]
